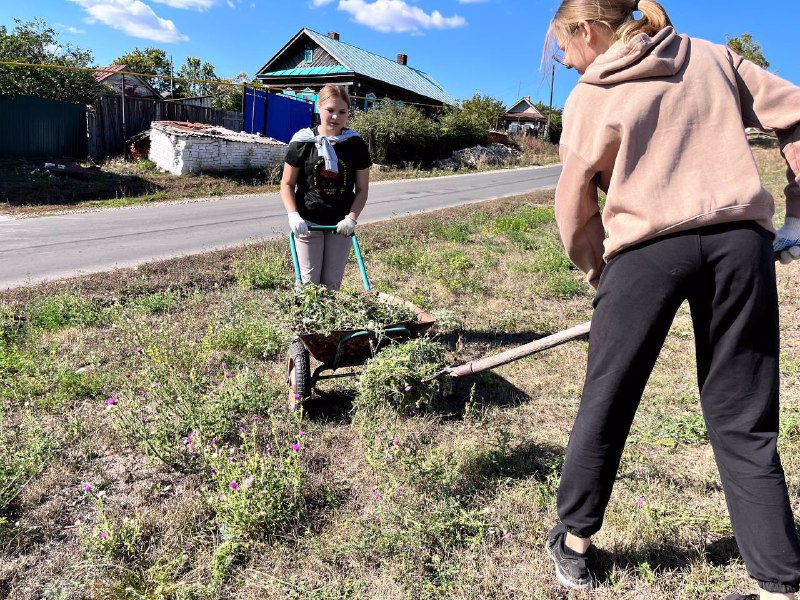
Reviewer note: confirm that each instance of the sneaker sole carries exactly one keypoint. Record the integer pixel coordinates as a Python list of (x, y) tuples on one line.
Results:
[(561, 579)]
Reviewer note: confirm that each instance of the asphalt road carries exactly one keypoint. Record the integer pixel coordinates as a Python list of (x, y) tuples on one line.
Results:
[(45, 248)]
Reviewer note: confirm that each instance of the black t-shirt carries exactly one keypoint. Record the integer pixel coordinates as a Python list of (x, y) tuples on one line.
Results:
[(324, 197)]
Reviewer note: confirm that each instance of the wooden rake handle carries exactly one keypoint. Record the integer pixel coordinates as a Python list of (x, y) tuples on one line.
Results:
[(495, 360)]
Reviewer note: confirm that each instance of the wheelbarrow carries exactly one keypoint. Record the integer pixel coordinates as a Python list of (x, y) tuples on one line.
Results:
[(343, 348)]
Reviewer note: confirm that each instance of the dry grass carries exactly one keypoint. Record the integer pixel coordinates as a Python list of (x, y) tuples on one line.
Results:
[(471, 521)]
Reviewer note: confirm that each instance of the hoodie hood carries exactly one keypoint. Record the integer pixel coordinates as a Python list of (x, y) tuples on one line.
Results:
[(662, 55)]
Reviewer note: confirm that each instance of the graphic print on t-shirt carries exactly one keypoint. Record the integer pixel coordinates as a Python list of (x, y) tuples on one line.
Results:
[(329, 183)]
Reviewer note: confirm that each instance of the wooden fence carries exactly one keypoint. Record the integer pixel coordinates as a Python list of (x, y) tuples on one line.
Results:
[(105, 125)]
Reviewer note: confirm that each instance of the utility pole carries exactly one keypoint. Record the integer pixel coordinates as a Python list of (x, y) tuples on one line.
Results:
[(171, 80), (550, 109)]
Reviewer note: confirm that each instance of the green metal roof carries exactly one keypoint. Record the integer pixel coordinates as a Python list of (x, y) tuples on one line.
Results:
[(355, 60), (309, 71)]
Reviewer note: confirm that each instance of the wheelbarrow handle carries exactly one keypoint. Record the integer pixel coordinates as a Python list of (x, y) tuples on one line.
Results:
[(356, 248)]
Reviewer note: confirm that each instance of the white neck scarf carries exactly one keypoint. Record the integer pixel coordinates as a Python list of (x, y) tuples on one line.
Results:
[(323, 144)]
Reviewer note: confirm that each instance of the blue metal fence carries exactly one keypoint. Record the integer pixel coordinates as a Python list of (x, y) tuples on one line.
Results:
[(274, 115)]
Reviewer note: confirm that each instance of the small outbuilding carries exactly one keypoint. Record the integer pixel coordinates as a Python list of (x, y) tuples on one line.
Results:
[(181, 148), (524, 117)]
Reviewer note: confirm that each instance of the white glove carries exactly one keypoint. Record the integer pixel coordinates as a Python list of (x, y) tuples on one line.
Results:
[(297, 223), (346, 226), (788, 241)]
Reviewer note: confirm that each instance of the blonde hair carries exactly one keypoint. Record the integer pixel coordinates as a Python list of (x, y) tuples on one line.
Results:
[(617, 15), (333, 91)]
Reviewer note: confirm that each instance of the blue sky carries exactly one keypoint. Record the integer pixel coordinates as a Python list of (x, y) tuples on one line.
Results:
[(488, 46)]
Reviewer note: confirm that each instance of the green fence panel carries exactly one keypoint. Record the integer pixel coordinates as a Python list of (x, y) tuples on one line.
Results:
[(31, 126)]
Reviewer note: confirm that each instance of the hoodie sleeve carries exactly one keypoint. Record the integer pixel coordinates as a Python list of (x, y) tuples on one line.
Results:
[(578, 215), (771, 103)]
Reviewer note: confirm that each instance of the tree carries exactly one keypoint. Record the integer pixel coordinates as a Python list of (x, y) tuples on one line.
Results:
[(746, 47), (150, 61), (555, 117), (203, 74), (485, 110), (229, 97), (36, 43)]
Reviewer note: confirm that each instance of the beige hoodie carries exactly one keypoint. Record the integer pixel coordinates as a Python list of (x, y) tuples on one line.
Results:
[(658, 124)]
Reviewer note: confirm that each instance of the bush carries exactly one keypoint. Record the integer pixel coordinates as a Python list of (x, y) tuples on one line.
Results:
[(402, 133)]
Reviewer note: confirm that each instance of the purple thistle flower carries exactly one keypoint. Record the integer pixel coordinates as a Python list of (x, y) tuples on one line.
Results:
[(137, 350), (297, 396), (87, 487), (8, 402), (227, 375), (408, 388), (103, 535), (295, 447), (396, 442), (301, 433), (156, 384), (640, 502), (111, 401), (234, 485)]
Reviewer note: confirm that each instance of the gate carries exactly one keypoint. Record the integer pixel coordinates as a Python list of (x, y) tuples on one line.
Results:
[(274, 115)]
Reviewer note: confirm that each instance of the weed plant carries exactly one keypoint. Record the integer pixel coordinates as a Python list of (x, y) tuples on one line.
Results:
[(256, 488), (317, 309), (263, 269)]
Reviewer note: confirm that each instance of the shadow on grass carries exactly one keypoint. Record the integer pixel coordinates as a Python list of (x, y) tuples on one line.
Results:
[(26, 183), (660, 558)]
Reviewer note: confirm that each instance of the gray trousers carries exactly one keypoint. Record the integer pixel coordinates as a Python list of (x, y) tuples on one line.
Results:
[(322, 256)]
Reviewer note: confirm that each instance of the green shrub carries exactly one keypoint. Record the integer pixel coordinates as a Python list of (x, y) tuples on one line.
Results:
[(402, 133)]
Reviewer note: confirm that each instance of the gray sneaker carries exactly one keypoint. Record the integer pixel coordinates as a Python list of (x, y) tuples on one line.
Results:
[(571, 568)]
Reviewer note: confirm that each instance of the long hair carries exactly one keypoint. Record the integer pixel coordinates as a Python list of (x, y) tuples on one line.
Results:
[(616, 15)]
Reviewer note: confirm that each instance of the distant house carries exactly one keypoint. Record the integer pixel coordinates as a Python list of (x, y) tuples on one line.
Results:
[(310, 60), (524, 117), (135, 86)]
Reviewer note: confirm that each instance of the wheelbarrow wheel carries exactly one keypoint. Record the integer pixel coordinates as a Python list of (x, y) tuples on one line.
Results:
[(298, 374)]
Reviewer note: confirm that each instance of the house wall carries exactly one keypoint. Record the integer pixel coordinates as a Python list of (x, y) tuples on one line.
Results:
[(295, 57), (181, 154)]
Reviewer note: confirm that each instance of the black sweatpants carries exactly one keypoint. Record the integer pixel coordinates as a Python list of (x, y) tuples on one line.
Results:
[(727, 274)]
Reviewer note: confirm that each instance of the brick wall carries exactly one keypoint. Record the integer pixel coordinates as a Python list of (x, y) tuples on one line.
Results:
[(182, 153)]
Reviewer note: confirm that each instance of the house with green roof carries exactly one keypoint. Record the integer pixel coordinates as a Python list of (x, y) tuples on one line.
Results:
[(311, 60)]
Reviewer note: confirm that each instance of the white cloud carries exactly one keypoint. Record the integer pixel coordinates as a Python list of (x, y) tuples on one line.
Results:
[(318, 3), (133, 18), (69, 28), (397, 16), (201, 5)]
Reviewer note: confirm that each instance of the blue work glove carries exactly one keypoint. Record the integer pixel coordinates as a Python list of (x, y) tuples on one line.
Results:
[(787, 242), (297, 223), (346, 226)]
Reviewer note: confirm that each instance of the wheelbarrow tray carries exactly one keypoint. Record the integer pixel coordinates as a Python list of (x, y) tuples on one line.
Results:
[(359, 348)]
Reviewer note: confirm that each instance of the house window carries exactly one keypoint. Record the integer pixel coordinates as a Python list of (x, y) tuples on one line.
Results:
[(309, 56)]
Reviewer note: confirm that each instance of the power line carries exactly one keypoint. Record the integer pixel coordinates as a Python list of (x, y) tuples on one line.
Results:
[(258, 86)]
